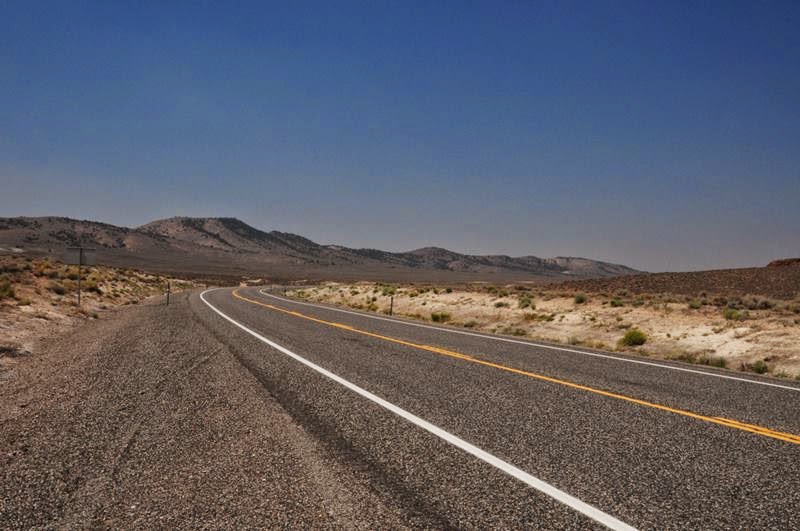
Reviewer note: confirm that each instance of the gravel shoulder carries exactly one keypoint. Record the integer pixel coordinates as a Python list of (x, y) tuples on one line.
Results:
[(146, 419)]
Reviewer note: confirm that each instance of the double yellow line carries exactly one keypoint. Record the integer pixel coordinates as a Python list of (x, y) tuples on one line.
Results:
[(752, 428)]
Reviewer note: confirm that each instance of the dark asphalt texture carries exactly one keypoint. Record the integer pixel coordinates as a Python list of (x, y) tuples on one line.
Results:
[(650, 468), (172, 417)]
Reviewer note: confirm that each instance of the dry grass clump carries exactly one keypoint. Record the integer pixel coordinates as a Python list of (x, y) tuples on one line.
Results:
[(699, 359), (758, 367), (440, 317), (633, 338), (732, 314), (6, 289), (525, 301)]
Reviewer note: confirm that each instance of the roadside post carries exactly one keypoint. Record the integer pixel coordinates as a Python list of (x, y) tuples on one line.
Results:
[(169, 288), (80, 256), (391, 305)]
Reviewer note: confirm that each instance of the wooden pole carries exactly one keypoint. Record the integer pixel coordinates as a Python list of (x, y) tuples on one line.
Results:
[(80, 263)]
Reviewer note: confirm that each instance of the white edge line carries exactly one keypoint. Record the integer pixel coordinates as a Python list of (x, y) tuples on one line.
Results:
[(532, 344), (532, 481)]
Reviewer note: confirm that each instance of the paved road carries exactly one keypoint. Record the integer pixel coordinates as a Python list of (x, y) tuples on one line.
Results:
[(460, 430)]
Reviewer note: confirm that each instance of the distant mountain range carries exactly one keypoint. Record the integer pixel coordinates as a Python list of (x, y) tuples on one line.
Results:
[(231, 248)]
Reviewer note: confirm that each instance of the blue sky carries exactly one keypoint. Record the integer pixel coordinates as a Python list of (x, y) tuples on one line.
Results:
[(662, 135)]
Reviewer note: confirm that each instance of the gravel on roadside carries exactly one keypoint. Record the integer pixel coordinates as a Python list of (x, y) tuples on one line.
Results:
[(146, 419)]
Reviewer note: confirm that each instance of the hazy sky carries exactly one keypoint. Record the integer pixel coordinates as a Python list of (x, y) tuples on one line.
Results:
[(662, 135)]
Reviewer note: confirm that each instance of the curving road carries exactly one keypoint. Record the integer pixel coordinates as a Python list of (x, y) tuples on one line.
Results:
[(456, 429)]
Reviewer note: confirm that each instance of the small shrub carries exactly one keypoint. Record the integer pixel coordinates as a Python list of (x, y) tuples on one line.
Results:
[(713, 361), (526, 302), (757, 303), (616, 303), (470, 324), (758, 367), (539, 317), (574, 340), (638, 302), (501, 304), (732, 314), (633, 338), (388, 291), (57, 288), (719, 301), (695, 304), (91, 286), (24, 302), (580, 298), (440, 317), (687, 357), (6, 290), (448, 290)]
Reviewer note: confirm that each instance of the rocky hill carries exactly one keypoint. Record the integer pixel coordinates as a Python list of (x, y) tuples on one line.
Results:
[(230, 247)]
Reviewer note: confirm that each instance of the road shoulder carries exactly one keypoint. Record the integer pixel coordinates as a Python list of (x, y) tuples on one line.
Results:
[(147, 419)]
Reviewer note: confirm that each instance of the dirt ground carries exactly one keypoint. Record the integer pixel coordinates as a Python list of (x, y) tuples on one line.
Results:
[(748, 333), (38, 299)]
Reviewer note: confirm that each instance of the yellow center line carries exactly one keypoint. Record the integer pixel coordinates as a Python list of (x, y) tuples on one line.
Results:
[(752, 428)]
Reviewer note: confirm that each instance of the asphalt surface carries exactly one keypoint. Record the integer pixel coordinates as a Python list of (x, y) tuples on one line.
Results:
[(176, 417), (648, 467)]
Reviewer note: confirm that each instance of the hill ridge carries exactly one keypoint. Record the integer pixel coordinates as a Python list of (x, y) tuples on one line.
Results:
[(215, 241)]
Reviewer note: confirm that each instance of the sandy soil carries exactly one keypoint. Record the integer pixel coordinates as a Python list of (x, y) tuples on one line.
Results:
[(758, 334)]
